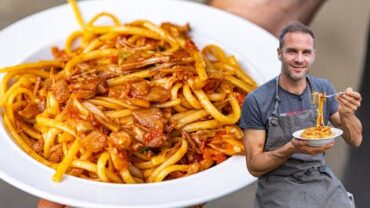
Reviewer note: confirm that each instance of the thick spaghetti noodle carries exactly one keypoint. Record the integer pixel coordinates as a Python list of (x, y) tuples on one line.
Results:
[(127, 103), (320, 130)]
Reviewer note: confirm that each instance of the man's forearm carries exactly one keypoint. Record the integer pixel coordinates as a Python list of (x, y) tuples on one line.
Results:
[(264, 162), (352, 129), (272, 15)]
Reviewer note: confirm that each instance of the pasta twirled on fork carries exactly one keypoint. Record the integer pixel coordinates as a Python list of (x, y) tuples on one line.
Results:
[(320, 130)]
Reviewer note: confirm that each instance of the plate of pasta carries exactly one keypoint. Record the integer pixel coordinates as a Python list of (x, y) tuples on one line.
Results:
[(129, 103), (318, 136)]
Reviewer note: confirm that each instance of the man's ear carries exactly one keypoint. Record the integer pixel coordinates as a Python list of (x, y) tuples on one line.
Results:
[(313, 55), (279, 53)]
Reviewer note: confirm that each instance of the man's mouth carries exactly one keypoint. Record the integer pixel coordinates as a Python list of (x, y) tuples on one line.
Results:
[(298, 68)]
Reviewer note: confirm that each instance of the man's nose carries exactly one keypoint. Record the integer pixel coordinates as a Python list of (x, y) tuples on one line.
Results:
[(299, 58)]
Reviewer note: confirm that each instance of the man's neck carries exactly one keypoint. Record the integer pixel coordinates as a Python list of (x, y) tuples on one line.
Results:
[(292, 86)]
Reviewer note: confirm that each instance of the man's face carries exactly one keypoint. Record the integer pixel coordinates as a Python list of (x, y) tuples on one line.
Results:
[(296, 55)]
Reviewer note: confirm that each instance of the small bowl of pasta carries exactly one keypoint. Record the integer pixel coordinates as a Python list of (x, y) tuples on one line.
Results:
[(318, 136)]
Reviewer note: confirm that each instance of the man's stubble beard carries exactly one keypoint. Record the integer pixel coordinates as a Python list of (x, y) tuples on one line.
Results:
[(291, 76)]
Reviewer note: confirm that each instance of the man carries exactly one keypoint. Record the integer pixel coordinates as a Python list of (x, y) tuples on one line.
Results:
[(290, 172)]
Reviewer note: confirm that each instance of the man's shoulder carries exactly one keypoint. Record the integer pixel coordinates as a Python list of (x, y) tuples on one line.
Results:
[(320, 83), (261, 95), (264, 91), (318, 80)]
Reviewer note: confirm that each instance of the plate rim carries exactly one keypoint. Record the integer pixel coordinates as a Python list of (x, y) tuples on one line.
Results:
[(338, 134)]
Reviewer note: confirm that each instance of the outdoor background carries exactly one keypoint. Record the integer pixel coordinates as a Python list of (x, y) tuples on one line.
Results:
[(340, 28)]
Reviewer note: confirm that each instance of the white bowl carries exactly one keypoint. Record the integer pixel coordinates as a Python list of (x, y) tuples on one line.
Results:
[(31, 38), (315, 142)]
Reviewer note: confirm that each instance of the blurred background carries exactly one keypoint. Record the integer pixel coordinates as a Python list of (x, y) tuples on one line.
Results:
[(340, 28)]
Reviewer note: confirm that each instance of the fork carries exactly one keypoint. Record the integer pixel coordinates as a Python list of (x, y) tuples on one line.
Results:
[(338, 93)]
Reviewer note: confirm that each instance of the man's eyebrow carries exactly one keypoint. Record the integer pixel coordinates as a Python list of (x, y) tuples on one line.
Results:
[(308, 50), (290, 49)]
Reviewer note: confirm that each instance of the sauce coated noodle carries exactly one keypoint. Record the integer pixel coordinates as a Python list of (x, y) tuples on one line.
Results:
[(320, 130)]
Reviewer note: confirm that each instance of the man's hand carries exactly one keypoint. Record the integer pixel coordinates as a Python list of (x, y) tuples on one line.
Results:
[(346, 119), (349, 101), (271, 15), (43, 203), (303, 147)]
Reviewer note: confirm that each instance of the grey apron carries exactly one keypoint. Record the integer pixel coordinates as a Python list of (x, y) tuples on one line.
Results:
[(303, 180)]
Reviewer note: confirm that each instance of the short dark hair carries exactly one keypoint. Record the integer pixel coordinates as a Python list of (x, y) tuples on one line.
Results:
[(294, 27)]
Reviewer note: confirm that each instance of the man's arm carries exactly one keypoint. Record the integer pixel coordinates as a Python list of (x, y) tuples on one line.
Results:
[(43, 203), (260, 162), (271, 15), (346, 119)]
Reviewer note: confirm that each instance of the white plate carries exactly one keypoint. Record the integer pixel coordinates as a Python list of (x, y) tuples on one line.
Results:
[(28, 39), (315, 142)]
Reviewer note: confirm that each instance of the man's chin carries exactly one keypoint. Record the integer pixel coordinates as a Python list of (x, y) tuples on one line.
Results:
[(298, 77)]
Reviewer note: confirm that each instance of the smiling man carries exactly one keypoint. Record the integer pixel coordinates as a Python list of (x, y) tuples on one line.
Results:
[(291, 173)]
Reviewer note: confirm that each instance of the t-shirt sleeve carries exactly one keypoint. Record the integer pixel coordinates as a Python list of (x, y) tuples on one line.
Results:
[(332, 102), (251, 116)]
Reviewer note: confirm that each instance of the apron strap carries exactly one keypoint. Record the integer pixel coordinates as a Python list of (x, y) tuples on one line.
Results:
[(310, 90), (277, 98)]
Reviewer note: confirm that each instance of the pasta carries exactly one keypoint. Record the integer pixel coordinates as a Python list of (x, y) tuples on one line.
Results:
[(320, 130), (127, 103)]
